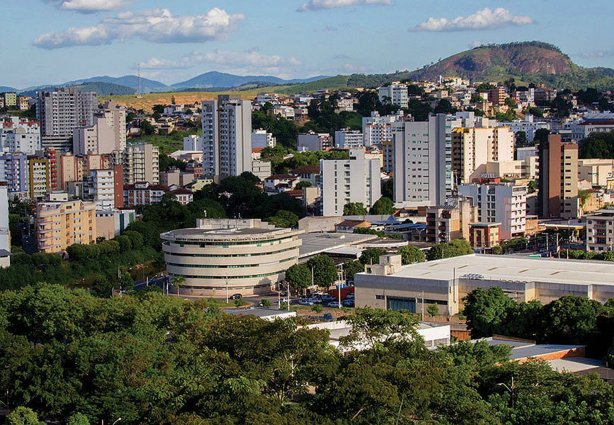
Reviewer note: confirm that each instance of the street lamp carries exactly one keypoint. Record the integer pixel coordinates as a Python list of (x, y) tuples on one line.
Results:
[(118, 419), (509, 389)]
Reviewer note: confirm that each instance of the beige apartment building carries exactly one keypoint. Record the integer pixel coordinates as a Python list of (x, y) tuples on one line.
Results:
[(61, 223), (141, 164)]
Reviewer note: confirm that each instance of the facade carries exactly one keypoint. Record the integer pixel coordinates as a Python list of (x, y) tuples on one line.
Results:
[(61, 223), (5, 235), (558, 179), (314, 142), (99, 187), (227, 137), (143, 193), (112, 223), (223, 256), (14, 171), (263, 139), (396, 94), (193, 143), (348, 139), (596, 171), (599, 231), (499, 203), (261, 169), (445, 282), (350, 180), (22, 138), (39, 177), (450, 222), (60, 112), (423, 161), (484, 236), (377, 129), (472, 147), (602, 122), (529, 126), (141, 163)]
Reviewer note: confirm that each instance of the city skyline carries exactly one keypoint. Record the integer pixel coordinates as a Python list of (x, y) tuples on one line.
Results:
[(72, 39)]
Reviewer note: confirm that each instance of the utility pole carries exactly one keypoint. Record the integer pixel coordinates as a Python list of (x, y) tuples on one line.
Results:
[(226, 289)]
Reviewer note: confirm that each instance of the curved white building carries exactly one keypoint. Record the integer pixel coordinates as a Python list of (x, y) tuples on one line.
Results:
[(235, 256)]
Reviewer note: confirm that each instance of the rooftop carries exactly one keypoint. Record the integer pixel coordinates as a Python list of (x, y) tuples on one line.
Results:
[(511, 268), (226, 234), (318, 243)]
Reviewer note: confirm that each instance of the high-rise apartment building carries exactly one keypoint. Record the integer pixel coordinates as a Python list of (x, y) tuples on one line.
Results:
[(107, 134), (141, 163), (499, 203), (377, 129), (61, 223), (349, 180), (472, 147), (558, 179), (348, 139), (396, 94), (14, 171), (20, 136), (263, 139), (600, 230), (227, 137), (99, 187), (314, 142), (61, 112), (5, 237), (422, 163), (39, 177)]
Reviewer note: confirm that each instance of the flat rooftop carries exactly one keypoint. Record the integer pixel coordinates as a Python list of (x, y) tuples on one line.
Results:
[(319, 243), (226, 234), (511, 268)]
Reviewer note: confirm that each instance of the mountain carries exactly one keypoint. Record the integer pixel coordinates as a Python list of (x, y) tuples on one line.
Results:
[(4, 89), (101, 89), (132, 81), (214, 79), (527, 62)]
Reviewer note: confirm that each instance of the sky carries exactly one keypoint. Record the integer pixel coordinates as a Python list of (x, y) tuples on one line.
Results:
[(55, 41)]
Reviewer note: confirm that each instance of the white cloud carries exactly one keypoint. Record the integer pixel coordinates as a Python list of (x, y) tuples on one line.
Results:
[(239, 62), (481, 20), (89, 6), (312, 5), (157, 26)]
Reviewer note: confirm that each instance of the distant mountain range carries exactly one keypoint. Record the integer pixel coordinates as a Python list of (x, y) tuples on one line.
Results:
[(130, 84), (526, 62)]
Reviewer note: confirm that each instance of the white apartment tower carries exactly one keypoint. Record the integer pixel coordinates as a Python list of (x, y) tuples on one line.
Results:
[(422, 163), (227, 137), (396, 93), (99, 187), (60, 112), (349, 180), (499, 203)]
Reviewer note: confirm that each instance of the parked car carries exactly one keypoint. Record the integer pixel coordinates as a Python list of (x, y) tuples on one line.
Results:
[(348, 302), (306, 301), (235, 297), (327, 299), (332, 304)]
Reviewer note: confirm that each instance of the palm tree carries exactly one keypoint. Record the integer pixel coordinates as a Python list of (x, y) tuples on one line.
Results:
[(178, 282)]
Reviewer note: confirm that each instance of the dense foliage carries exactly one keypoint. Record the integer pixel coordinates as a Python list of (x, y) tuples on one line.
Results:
[(597, 145), (455, 248), (70, 357), (568, 320)]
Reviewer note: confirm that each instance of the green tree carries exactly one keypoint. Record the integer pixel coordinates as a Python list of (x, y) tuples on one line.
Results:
[(570, 319), (371, 255), (372, 327), (486, 310), (521, 139), (22, 416), (410, 254), (284, 219), (354, 208), (299, 276), (78, 419), (324, 270), (382, 206), (432, 310), (351, 268)]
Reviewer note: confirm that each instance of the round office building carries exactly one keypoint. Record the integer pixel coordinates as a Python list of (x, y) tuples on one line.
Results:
[(223, 257)]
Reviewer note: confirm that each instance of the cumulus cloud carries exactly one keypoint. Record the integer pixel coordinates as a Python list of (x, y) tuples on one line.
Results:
[(312, 5), (251, 61), (90, 6), (157, 26), (484, 19)]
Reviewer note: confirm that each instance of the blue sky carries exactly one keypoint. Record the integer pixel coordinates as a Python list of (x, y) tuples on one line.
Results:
[(53, 41)]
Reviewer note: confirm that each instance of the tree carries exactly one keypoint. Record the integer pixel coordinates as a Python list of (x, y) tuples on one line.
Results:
[(178, 282), (299, 276), (372, 327), (521, 139), (351, 268), (410, 254), (486, 310), (324, 270), (570, 319), (78, 419), (455, 248), (444, 107), (22, 416), (371, 255), (284, 219), (383, 206), (303, 184), (541, 136), (432, 310), (354, 208)]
